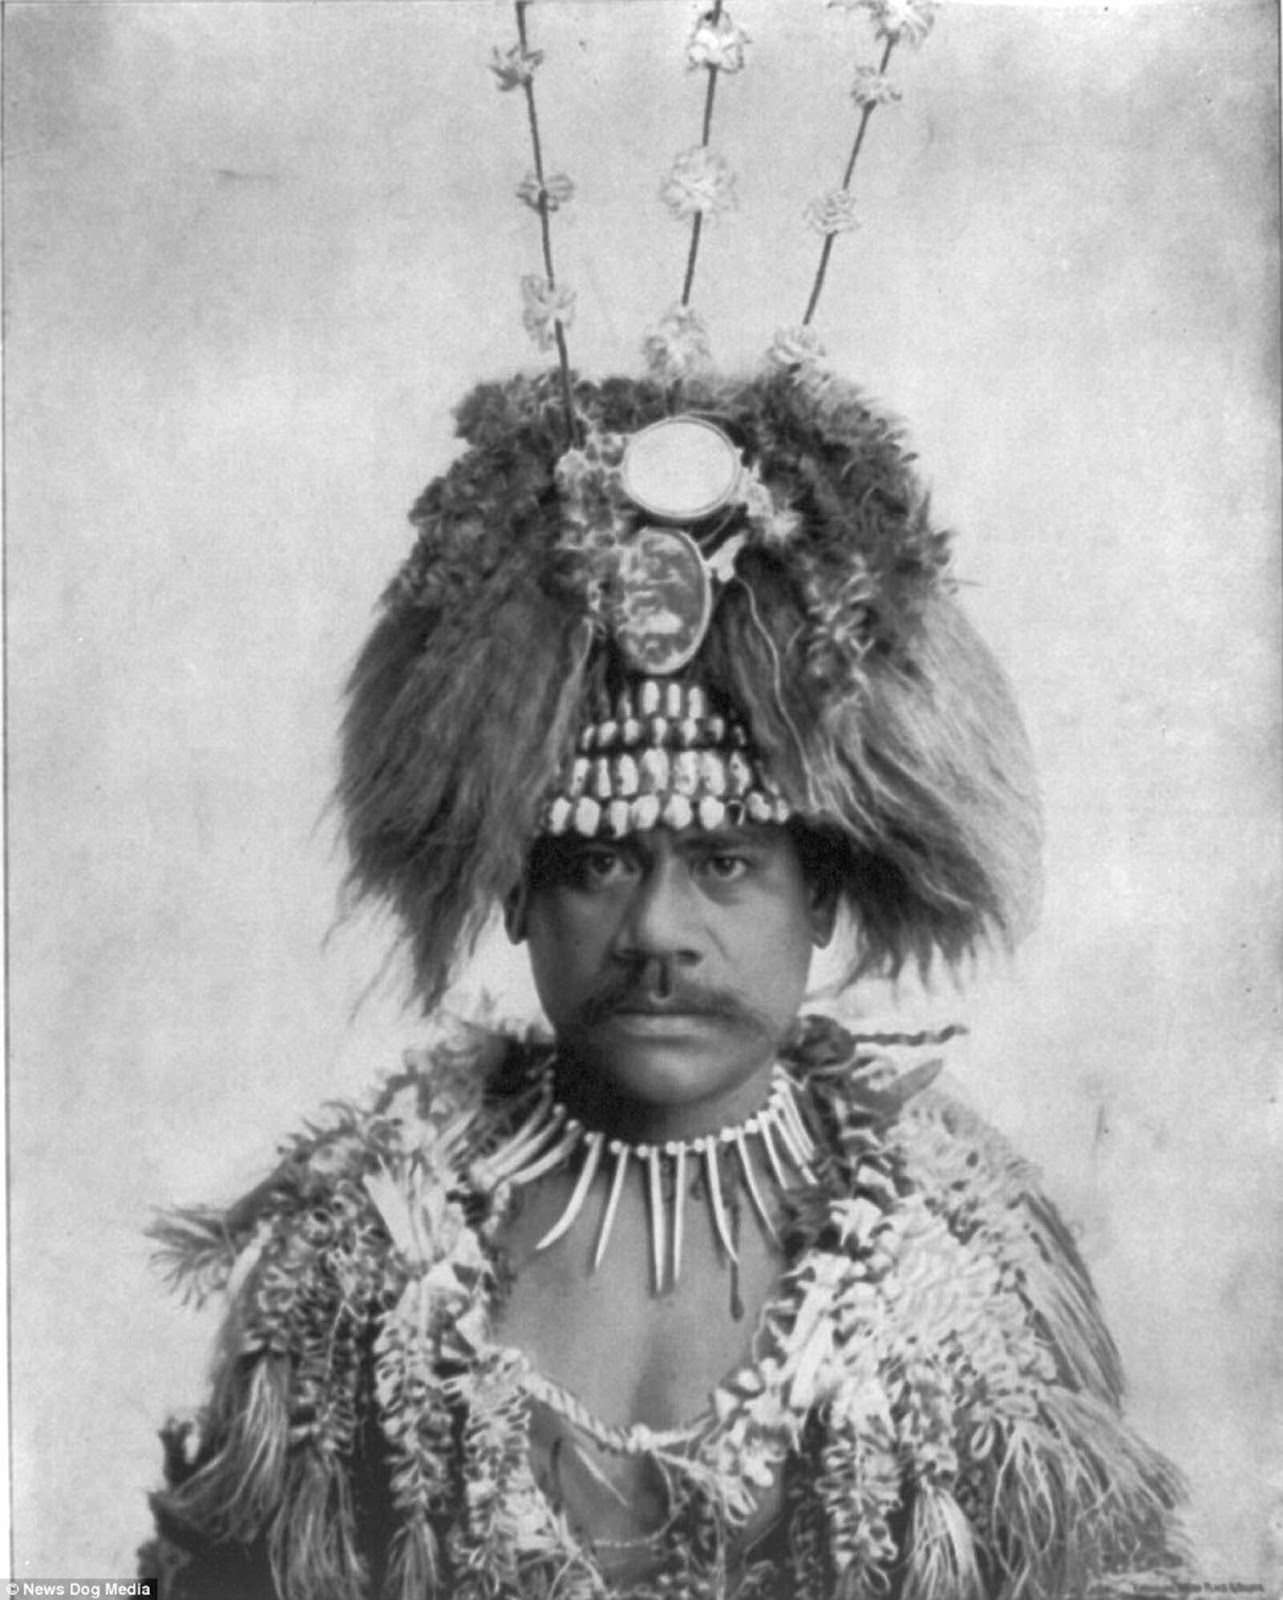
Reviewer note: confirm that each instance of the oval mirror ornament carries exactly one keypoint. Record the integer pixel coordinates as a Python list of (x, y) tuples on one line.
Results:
[(680, 469), (664, 602)]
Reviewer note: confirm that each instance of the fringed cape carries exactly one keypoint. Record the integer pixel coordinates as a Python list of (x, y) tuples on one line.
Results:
[(933, 1382)]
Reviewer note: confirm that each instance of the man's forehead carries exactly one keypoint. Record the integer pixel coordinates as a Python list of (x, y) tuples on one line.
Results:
[(688, 841)]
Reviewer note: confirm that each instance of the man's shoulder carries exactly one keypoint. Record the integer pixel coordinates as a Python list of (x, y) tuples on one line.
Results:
[(952, 1153), (338, 1173), (966, 1326), (955, 1198), (893, 1089)]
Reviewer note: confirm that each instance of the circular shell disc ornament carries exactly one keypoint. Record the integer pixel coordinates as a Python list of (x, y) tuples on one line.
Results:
[(680, 469), (665, 600)]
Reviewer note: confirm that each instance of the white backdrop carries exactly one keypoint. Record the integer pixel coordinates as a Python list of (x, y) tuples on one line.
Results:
[(257, 250)]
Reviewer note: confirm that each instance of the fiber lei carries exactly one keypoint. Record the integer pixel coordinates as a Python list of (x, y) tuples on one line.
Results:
[(933, 1381)]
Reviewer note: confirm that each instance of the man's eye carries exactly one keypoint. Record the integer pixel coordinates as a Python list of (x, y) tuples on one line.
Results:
[(596, 867), (725, 868)]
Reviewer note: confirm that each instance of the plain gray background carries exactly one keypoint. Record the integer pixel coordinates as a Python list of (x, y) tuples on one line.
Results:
[(256, 251)]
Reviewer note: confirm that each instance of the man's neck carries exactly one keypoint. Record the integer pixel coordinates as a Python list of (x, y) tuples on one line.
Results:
[(600, 1106)]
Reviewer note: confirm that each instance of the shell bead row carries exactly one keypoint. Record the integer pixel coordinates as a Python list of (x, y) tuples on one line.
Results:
[(592, 819), (656, 757)]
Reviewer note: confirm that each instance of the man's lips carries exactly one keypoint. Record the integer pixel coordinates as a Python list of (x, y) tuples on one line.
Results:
[(684, 1002), (643, 1015), (657, 1008), (665, 1021)]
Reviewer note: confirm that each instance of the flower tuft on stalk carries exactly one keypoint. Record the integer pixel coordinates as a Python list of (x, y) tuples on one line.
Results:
[(545, 304), (873, 88), (716, 42), (555, 191), (514, 67), (894, 21), (678, 346), (795, 347), (832, 213), (701, 183)]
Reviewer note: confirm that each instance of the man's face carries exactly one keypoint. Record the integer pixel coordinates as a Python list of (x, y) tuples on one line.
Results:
[(672, 964)]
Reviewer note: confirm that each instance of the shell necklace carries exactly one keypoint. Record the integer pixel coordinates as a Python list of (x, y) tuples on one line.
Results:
[(765, 1144)]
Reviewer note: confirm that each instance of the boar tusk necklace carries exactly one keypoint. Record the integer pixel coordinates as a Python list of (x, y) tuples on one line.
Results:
[(765, 1145)]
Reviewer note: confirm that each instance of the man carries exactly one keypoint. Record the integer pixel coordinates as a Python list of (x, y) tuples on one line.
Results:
[(697, 1299)]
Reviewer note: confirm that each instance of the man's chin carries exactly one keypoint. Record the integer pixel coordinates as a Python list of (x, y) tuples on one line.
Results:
[(667, 1059)]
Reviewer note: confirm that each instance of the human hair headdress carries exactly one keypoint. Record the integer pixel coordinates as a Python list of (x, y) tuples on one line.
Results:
[(686, 599)]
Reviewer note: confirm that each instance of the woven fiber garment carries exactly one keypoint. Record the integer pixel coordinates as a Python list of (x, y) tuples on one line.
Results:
[(933, 1387)]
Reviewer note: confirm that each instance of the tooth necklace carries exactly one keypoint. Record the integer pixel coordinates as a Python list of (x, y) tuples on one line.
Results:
[(550, 1137)]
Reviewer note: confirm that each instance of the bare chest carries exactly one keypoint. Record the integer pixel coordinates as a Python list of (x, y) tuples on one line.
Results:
[(623, 1376), (632, 1353)]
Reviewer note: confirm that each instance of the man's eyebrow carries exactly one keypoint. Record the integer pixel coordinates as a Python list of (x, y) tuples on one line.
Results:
[(572, 846), (724, 839)]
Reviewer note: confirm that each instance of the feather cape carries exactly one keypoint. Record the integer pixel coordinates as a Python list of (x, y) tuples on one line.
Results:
[(935, 1381)]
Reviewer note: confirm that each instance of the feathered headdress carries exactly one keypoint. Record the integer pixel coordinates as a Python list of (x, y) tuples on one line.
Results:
[(835, 640), (685, 599)]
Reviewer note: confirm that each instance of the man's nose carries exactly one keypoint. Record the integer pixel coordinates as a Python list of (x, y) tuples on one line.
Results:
[(661, 916)]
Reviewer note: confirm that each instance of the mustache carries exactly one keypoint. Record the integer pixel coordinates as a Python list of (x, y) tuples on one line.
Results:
[(676, 996)]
